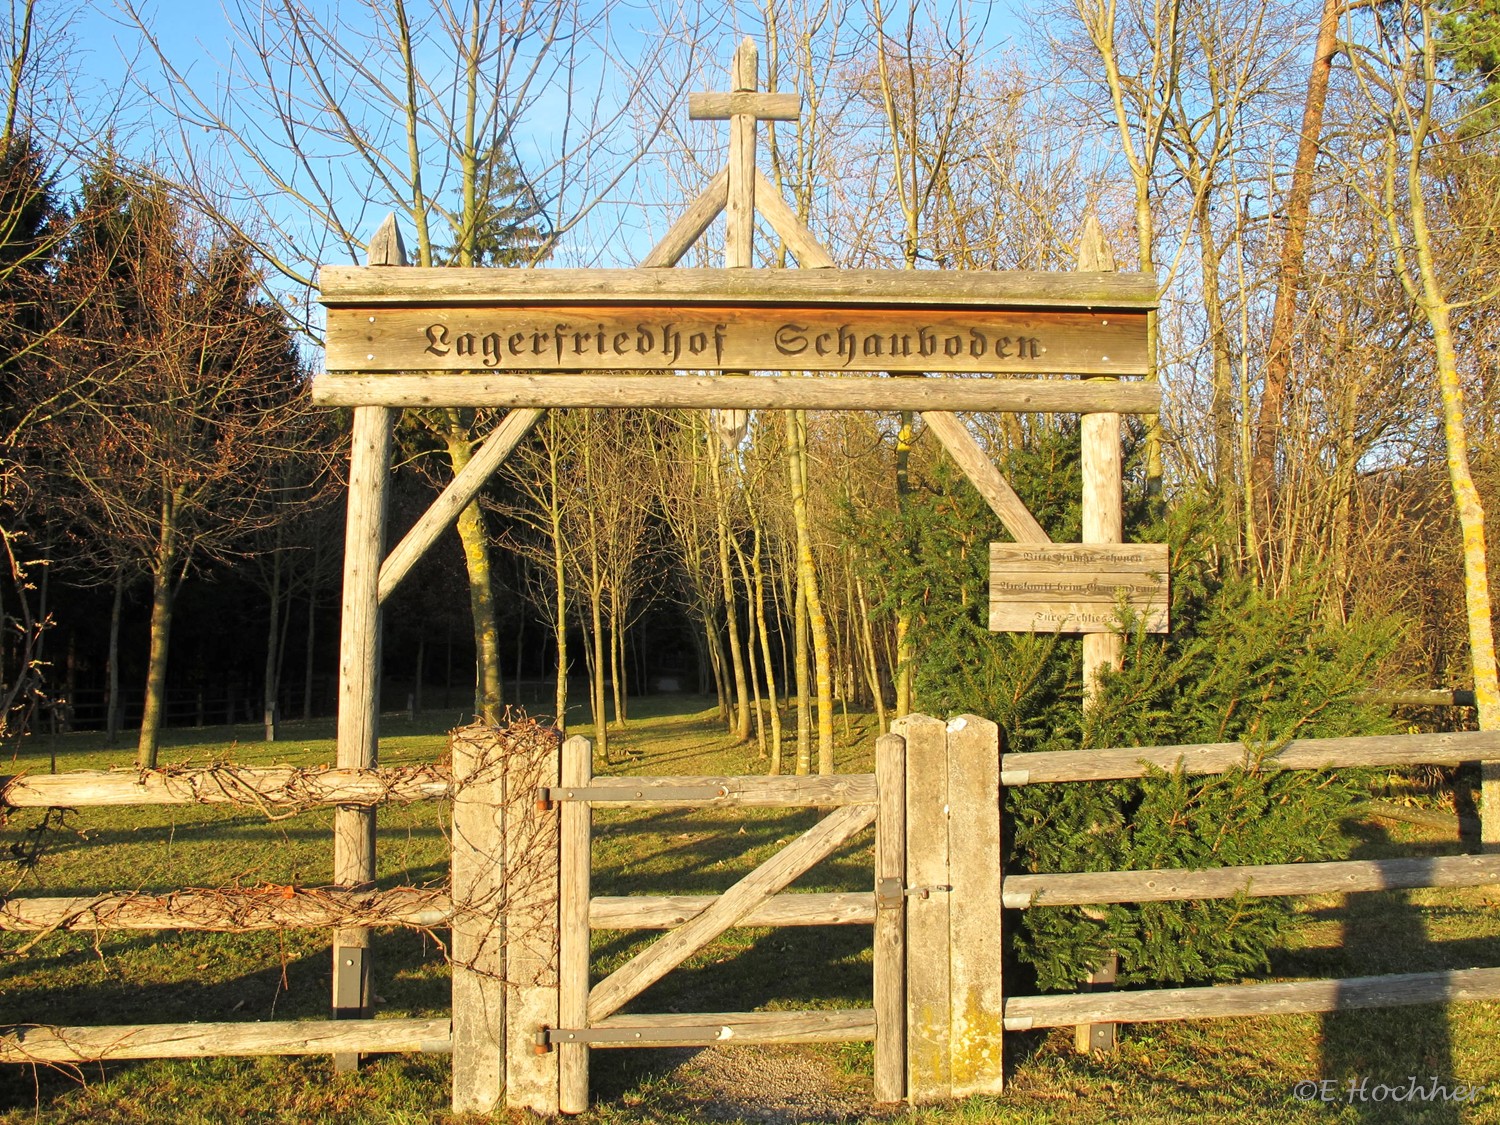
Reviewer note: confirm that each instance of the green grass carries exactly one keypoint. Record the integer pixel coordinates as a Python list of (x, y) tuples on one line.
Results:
[(1229, 1070)]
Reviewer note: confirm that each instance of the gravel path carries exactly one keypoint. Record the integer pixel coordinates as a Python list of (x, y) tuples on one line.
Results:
[(770, 1085)]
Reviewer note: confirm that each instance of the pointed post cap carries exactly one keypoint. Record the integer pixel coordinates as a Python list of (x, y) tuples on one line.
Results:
[(1094, 254), (386, 248)]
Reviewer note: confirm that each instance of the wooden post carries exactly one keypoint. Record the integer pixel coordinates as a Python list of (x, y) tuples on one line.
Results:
[(739, 211), (531, 947), (1103, 522), (890, 919), (976, 998), (573, 935), (359, 671), (929, 1027), (478, 893)]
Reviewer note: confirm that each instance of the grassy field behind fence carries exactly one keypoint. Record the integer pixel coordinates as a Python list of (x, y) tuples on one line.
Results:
[(1230, 1070)]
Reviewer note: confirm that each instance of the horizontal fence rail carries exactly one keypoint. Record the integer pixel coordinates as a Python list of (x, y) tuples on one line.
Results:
[(1115, 764), (266, 908), (829, 791), (44, 1044), (663, 912), (1021, 892), (705, 1029), (1023, 1013), (277, 787)]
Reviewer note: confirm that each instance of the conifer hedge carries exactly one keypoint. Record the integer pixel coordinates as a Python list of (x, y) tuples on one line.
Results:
[(1240, 663)]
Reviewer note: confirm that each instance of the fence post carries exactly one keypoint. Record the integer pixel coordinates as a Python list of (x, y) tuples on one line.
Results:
[(928, 1015), (478, 889), (531, 949), (890, 918), (974, 871), (573, 932)]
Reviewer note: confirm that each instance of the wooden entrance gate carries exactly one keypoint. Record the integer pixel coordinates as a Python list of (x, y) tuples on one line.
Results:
[(934, 903)]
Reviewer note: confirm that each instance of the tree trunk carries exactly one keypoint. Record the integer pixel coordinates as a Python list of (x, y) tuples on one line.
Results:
[(112, 663), (741, 727), (1289, 275), (804, 700), (307, 666), (488, 694), (269, 685), (163, 568), (807, 571)]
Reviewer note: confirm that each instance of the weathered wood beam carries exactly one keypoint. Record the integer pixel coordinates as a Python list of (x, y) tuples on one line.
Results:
[(664, 912), (727, 792), (810, 253), (1258, 881), (762, 392), (270, 788), (983, 475), (227, 911), (45, 1044), (1022, 1013), (1221, 757), (353, 286), (688, 228), (889, 909), (442, 512), (761, 106), (849, 1025)]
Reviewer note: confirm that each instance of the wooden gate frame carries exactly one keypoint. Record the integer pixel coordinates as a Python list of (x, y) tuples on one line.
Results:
[(1074, 303)]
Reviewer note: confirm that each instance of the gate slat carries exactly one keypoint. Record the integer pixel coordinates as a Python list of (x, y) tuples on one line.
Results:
[(890, 919), (573, 929), (975, 997), (670, 950), (928, 1016)]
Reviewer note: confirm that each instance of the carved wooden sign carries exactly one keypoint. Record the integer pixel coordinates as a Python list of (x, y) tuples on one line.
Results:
[(526, 321), (1076, 587)]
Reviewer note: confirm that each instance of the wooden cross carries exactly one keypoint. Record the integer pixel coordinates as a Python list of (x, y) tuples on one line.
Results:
[(744, 106)]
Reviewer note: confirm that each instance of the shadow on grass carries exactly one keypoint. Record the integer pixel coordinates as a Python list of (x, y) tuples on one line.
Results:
[(1377, 1063)]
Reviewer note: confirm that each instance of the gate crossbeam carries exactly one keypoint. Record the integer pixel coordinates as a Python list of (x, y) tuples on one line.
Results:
[(669, 951)]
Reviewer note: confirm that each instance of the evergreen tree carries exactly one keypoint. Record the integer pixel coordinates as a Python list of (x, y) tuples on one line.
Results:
[(1239, 665)]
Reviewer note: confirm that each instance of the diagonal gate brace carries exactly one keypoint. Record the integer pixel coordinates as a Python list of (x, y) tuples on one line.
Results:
[(669, 951)]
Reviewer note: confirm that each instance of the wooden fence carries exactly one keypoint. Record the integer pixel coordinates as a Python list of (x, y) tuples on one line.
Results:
[(525, 1013)]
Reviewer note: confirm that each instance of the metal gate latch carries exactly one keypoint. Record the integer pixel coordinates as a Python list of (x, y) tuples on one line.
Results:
[(889, 892)]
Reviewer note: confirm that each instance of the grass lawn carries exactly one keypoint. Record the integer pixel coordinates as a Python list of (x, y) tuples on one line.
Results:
[(1228, 1070)]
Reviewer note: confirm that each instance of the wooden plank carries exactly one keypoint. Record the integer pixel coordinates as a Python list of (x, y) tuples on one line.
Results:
[(636, 337), (974, 932), (1076, 587), (573, 934), (1259, 881), (983, 475), (847, 1025), (345, 286), (739, 214), (532, 876), (1221, 757), (478, 945), (442, 512), (1012, 396), (272, 789), (1023, 1013), (929, 1024), (669, 951), (267, 908), (664, 912), (690, 225), (52, 1045), (359, 696), (810, 253), (761, 106), (750, 791), (890, 920)]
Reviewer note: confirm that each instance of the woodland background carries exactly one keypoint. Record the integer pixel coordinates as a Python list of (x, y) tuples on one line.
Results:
[(1316, 188)]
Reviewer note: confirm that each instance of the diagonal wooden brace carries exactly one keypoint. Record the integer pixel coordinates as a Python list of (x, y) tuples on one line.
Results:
[(666, 953)]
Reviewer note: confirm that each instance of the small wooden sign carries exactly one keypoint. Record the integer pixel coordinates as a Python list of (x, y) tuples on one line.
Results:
[(1076, 587)]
